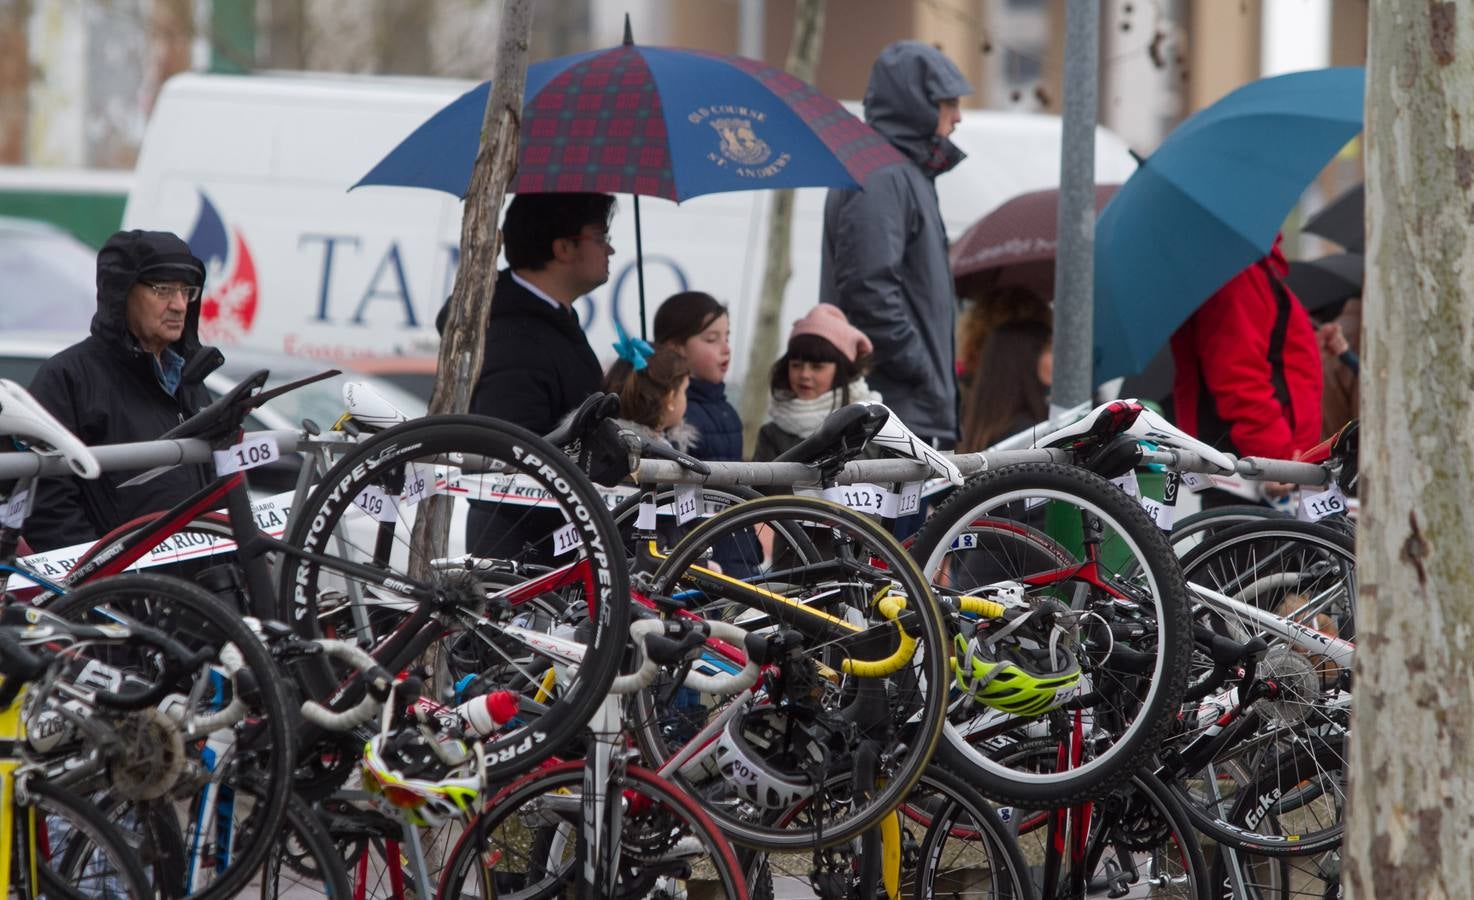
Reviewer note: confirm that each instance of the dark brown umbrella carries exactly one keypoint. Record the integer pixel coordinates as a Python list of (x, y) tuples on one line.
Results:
[(1014, 244)]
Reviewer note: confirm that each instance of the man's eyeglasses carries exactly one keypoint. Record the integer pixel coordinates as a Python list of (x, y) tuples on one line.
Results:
[(602, 238), (164, 291)]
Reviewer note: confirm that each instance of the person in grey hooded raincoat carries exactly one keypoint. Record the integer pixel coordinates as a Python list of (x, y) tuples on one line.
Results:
[(884, 259)]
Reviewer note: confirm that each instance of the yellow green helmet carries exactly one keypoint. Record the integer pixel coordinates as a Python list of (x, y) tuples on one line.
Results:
[(1009, 676)]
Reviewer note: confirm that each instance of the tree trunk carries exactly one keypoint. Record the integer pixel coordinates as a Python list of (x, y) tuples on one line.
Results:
[(15, 80), (1409, 823), (464, 339), (803, 60)]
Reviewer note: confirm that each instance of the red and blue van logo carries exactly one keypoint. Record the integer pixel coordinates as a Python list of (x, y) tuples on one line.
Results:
[(228, 309)]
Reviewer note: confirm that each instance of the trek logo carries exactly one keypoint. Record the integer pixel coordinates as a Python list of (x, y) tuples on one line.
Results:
[(228, 308)]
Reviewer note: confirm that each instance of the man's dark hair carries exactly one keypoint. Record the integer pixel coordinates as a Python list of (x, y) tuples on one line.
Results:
[(534, 221)]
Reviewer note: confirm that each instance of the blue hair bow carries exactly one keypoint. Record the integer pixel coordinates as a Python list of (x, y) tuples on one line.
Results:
[(631, 349)]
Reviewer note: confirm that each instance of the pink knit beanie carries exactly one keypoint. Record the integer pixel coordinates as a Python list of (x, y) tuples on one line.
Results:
[(828, 322)]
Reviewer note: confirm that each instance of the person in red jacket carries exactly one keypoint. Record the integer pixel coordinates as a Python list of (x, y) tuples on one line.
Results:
[(1248, 375)]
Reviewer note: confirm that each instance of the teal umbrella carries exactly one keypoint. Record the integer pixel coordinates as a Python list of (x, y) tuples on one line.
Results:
[(1208, 203)]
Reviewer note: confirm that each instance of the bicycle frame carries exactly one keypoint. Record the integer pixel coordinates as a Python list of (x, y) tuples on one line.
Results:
[(1302, 637)]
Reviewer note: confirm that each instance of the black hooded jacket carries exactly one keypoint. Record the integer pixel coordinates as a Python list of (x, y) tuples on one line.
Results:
[(105, 391)]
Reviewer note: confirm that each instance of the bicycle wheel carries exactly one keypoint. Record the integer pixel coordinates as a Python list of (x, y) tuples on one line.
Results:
[(79, 853), (525, 844), (423, 475), (304, 863), (1138, 841), (1190, 531), (738, 555), (1301, 570), (965, 849), (1106, 645), (1271, 784), (189, 759), (383, 858), (852, 678)]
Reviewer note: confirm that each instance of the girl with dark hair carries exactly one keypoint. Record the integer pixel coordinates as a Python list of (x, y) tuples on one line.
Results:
[(1010, 389), (651, 386), (696, 327), (822, 370)]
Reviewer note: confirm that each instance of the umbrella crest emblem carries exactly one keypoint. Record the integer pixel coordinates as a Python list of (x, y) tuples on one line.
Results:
[(740, 143), (739, 148)]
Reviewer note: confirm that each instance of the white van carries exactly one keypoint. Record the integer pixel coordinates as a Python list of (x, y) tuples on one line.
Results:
[(254, 172)]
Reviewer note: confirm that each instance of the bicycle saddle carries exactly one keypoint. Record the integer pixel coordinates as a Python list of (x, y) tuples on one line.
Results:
[(1096, 427), (1131, 419), (898, 439), (369, 408), (598, 407), (841, 437), (23, 417)]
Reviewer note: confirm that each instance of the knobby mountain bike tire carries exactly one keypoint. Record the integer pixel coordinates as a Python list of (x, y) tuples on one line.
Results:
[(1057, 537)]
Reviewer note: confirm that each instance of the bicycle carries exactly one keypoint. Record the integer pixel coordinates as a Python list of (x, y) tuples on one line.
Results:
[(52, 842)]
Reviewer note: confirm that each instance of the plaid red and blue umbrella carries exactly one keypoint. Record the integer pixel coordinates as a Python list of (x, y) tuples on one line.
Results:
[(652, 121)]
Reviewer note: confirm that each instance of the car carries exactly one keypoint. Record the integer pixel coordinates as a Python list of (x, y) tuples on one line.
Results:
[(51, 270), (415, 374)]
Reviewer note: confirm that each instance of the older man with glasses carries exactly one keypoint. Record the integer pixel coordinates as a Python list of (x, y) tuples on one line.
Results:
[(126, 382)]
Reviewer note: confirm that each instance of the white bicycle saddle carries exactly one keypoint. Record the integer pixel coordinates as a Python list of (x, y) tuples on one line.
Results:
[(368, 406), (1150, 426), (1131, 417), (897, 438), (23, 417)]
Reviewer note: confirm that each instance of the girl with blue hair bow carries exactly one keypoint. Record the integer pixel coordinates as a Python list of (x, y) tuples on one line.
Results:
[(651, 386)]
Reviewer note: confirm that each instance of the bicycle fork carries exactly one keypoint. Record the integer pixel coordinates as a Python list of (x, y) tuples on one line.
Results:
[(601, 813)]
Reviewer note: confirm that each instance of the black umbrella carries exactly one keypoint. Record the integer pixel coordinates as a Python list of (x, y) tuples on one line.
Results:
[(1342, 221), (1325, 282)]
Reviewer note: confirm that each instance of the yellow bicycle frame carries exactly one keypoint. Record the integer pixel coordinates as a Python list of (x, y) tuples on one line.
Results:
[(889, 607)]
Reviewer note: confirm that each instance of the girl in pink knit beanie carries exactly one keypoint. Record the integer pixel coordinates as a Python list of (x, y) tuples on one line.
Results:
[(823, 369)]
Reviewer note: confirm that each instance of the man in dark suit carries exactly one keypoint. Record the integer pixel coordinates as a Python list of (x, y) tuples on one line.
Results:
[(538, 365)]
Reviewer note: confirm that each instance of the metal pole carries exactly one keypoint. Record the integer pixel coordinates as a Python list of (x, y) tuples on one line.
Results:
[(751, 17), (1074, 264)]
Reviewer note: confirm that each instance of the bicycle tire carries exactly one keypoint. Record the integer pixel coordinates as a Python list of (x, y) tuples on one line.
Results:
[(52, 803), (1289, 782), (1019, 494), (465, 875), (194, 617), (304, 854), (1139, 818), (383, 458), (1320, 541), (1208, 522), (917, 691), (1005, 862)]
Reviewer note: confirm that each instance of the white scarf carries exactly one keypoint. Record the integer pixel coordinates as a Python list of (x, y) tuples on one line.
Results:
[(801, 418)]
